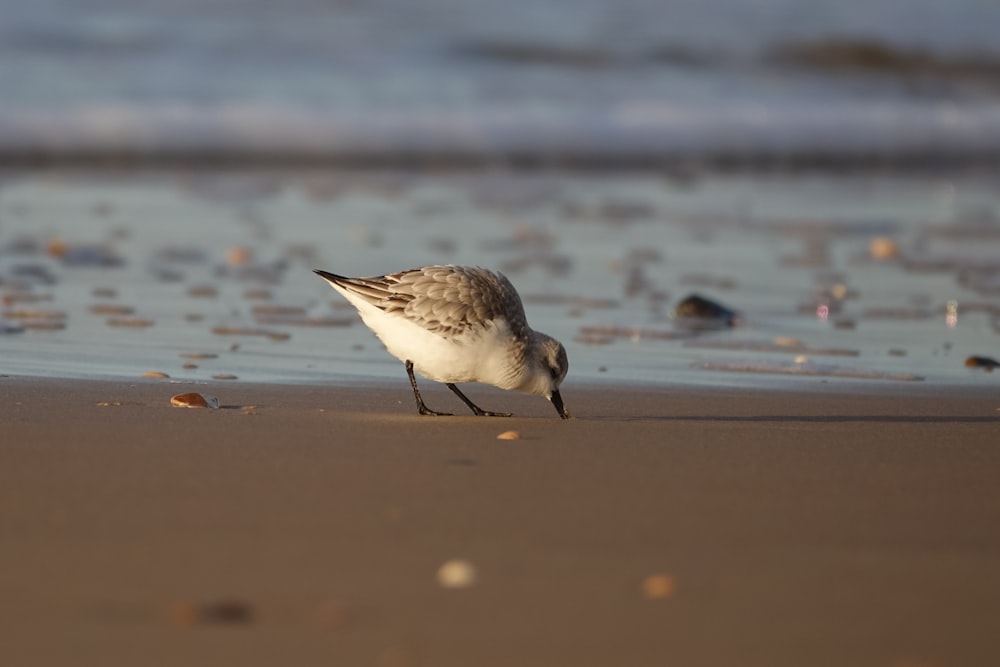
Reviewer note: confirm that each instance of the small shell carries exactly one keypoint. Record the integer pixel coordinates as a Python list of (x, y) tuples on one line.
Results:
[(457, 573), (509, 435), (883, 247), (658, 586), (238, 256), (194, 400), (155, 374)]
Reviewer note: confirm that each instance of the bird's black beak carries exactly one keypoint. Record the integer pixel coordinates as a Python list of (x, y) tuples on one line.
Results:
[(560, 408)]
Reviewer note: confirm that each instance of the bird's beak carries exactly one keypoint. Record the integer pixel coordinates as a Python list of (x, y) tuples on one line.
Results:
[(560, 408)]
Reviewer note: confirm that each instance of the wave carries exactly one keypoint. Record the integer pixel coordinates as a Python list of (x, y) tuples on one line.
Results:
[(618, 134)]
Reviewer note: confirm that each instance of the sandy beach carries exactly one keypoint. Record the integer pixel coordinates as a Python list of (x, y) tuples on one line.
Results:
[(844, 524), (766, 239)]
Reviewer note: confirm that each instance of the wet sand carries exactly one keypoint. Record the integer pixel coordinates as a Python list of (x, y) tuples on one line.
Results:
[(201, 274), (846, 524)]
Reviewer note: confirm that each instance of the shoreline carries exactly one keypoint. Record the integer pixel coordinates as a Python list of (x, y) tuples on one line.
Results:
[(308, 524), (682, 166)]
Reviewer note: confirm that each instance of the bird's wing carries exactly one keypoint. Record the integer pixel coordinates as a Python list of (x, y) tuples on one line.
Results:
[(449, 300), (376, 290), (446, 300)]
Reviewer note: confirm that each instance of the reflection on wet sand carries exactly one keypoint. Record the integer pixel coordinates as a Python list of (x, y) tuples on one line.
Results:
[(124, 272)]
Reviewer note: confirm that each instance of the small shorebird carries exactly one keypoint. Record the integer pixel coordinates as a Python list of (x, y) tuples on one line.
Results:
[(458, 324)]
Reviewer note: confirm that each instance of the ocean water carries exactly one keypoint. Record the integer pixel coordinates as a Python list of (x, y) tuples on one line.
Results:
[(598, 81)]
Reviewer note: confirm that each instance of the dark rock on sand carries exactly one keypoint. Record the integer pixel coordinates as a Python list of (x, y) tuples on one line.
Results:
[(986, 363), (697, 312)]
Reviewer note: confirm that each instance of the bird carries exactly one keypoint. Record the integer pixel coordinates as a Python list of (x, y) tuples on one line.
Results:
[(455, 324)]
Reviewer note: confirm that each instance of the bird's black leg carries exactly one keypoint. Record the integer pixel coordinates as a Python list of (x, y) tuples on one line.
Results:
[(475, 408), (421, 408)]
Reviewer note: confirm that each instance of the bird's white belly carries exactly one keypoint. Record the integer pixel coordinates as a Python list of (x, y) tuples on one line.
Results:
[(482, 356)]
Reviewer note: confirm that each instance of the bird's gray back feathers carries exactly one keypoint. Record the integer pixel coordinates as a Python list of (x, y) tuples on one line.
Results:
[(446, 300)]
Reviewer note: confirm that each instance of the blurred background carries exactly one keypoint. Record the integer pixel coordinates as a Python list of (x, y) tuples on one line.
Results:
[(562, 80), (261, 113)]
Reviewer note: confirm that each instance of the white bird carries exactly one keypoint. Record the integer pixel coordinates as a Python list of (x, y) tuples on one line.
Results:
[(458, 324)]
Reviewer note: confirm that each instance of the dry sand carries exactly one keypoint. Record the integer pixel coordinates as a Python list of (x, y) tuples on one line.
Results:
[(661, 526)]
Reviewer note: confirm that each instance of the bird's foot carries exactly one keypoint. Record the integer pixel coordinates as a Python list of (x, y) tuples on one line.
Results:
[(424, 410)]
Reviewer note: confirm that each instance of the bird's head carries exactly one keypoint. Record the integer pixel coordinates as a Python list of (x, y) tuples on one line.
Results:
[(550, 365)]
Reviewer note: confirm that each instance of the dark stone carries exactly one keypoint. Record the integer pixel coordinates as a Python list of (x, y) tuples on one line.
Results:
[(697, 312)]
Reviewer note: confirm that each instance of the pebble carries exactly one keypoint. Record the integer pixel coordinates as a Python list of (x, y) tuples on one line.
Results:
[(27, 314), (224, 376), (194, 400), (986, 363), (10, 328), (696, 312), (509, 435), (457, 573), (882, 247), (787, 341), (658, 586), (24, 297), (154, 374), (111, 309), (243, 331), (277, 311), (83, 254), (132, 322), (238, 256), (224, 612)]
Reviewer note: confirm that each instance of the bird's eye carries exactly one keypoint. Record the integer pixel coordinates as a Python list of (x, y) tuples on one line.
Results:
[(554, 372)]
